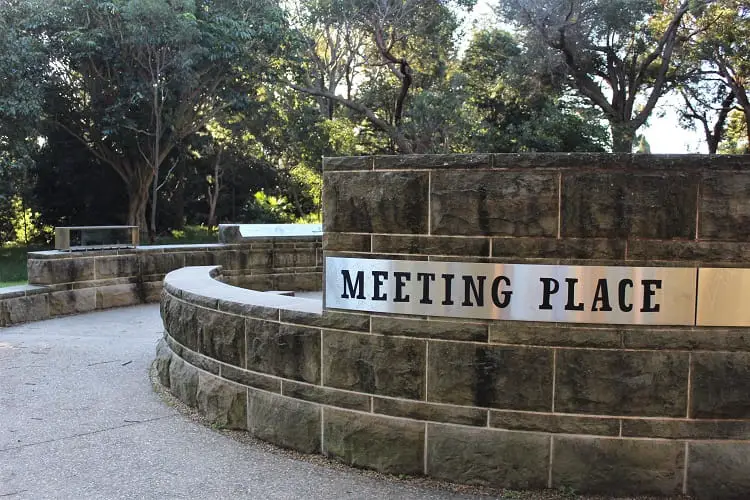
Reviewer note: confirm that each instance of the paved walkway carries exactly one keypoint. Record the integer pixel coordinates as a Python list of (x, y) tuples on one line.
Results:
[(79, 419)]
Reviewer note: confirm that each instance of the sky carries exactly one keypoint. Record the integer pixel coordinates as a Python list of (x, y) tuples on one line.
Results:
[(663, 131)]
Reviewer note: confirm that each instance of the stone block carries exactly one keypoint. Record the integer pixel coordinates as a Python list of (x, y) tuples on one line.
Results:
[(326, 396), (122, 266), (518, 378), (24, 309), (567, 248), (686, 429), (718, 471), (53, 271), (183, 381), (346, 242), (430, 329), (332, 164), (285, 422), (386, 444), (301, 282), (417, 410), (390, 366), (150, 291), (200, 361), (494, 203), (375, 202), (222, 336), (689, 251), (230, 233), (431, 245), (251, 310), (162, 362), (638, 383), (554, 422), (433, 161), (287, 351), (724, 210), (251, 379), (488, 457), (688, 339), (625, 466), (329, 319), (117, 296), (180, 321), (72, 302), (554, 334), (658, 205), (720, 385), (224, 404), (294, 258), (160, 263)]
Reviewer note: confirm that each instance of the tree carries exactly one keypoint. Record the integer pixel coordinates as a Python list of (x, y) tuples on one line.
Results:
[(384, 51), (513, 110), (22, 57), (709, 105), (618, 54), (723, 50), (135, 78)]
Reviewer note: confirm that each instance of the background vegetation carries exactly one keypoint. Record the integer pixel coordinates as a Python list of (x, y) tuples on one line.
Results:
[(180, 114)]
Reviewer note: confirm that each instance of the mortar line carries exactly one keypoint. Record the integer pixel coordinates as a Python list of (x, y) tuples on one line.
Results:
[(322, 432), (551, 454), (426, 366), (685, 469), (554, 377), (697, 209), (424, 458), (429, 202), (690, 384), (322, 381), (559, 205)]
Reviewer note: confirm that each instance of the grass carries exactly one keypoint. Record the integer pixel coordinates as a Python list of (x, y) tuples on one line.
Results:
[(188, 235), (13, 265)]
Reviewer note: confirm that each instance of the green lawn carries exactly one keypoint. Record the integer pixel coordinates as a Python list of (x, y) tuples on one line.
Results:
[(13, 265)]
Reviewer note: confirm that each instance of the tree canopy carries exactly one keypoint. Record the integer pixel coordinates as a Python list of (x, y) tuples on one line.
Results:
[(162, 113)]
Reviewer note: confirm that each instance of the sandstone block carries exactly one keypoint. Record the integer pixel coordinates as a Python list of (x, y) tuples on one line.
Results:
[(382, 443), (494, 203), (287, 351), (625, 466), (72, 301), (375, 202), (222, 403), (389, 366), (488, 457), (622, 383), (183, 381), (286, 422), (490, 376)]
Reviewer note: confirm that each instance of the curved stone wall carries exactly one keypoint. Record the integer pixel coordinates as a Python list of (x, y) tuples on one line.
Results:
[(614, 409), (63, 283)]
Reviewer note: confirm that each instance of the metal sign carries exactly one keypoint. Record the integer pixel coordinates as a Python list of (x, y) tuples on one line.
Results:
[(520, 292)]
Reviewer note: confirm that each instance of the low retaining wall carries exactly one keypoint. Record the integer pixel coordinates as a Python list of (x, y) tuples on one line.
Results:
[(614, 409), (63, 283)]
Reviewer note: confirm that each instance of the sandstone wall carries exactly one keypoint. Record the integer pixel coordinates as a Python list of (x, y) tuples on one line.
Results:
[(611, 409), (614, 409), (75, 282)]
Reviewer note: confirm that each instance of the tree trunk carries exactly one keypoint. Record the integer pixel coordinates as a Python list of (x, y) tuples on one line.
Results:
[(137, 203), (623, 136)]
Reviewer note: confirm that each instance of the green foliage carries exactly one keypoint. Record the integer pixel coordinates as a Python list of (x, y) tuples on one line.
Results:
[(267, 209), (25, 222), (190, 235), (13, 269)]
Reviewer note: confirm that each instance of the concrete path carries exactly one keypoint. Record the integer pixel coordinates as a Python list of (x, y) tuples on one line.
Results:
[(79, 419)]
